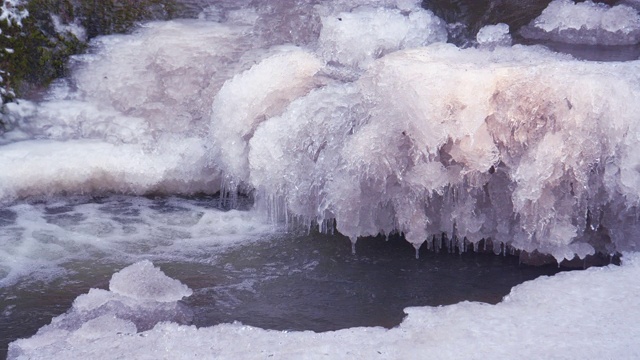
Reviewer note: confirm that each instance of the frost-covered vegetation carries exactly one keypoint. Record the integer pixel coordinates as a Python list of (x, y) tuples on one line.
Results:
[(39, 36)]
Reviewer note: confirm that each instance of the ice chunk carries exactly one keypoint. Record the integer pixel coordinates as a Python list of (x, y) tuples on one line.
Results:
[(143, 281), (491, 36), (358, 37), (102, 314), (586, 23)]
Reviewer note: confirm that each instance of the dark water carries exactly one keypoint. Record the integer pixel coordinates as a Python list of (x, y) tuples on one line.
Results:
[(293, 282)]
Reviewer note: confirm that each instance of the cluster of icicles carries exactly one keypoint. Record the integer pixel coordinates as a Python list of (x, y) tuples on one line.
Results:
[(365, 119)]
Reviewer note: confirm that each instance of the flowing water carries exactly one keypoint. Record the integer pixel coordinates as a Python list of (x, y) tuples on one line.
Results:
[(265, 277)]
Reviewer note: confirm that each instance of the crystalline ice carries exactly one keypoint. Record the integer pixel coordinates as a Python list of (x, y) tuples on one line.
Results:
[(143, 281), (586, 23), (358, 37), (387, 131), (491, 36), (254, 96)]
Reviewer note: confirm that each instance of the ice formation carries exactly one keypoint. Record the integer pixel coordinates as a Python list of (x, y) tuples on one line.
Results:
[(491, 36), (139, 297), (588, 314), (389, 131), (358, 37), (586, 23), (427, 140)]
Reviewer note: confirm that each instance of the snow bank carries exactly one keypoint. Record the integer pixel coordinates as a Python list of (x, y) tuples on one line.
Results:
[(586, 23), (587, 314)]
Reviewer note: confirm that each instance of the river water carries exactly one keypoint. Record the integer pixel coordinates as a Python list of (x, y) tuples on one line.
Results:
[(240, 270)]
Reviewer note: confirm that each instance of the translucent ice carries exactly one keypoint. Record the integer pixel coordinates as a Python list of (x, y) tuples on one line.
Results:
[(427, 141), (358, 37), (491, 36), (141, 297), (253, 96), (143, 281), (586, 23)]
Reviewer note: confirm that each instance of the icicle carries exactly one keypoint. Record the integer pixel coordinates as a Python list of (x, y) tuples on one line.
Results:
[(354, 240), (417, 247)]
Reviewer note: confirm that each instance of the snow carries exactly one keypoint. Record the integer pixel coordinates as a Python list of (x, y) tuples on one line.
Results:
[(73, 28), (13, 12), (586, 23), (583, 314)]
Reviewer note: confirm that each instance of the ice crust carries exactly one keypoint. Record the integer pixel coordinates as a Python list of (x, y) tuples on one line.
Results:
[(574, 315), (586, 23), (379, 133)]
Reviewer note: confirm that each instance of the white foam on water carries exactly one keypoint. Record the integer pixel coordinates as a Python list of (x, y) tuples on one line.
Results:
[(587, 314), (586, 23), (41, 238)]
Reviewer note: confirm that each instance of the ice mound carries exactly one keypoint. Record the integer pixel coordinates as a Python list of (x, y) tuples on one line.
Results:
[(491, 36), (587, 314), (358, 37), (143, 281), (519, 146), (252, 96), (586, 23), (140, 297), (88, 166)]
